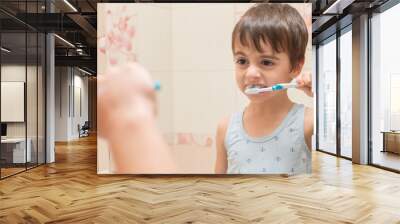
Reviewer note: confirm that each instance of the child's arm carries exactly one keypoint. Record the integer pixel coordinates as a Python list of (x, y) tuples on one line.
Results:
[(308, 126), (127, 121), (221, 163)]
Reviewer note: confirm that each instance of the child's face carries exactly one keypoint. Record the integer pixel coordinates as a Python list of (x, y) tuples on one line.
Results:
[(262, 69)]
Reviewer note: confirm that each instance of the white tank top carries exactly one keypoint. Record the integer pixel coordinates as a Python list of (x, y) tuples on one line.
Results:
[(283, 152)]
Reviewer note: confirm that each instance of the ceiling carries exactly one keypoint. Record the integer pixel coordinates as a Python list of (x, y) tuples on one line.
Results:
[(76, 22)]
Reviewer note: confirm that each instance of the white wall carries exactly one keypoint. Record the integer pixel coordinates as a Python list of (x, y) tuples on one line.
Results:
[(80, 102), (68, 82), (61, 103)]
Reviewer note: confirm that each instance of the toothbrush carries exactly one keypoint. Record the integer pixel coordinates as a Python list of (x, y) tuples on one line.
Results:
[(277, 87), (157, 85)]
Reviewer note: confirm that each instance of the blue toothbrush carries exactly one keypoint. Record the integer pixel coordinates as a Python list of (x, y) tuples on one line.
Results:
[(157, 85), (277, 87)]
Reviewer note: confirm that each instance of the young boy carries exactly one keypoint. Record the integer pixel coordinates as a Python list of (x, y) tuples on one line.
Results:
[(272, 134)]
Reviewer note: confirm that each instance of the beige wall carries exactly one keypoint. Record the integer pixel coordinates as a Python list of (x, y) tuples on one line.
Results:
[(188, 48)]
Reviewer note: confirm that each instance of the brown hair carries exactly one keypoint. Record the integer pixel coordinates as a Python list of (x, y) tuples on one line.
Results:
[(278, 25)]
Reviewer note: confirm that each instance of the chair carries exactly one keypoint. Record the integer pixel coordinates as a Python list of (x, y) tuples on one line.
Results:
[(84, 130)]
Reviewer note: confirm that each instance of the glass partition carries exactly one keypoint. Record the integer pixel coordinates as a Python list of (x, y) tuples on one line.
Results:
[(13, 109), (22, 88)]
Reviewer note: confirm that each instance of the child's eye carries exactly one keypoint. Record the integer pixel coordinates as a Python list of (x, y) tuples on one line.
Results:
[(241, 61), (267, 62)]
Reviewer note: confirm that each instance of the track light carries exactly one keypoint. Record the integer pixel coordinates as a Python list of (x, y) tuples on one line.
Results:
[(64, 40), (337, 7), (84, 71), (5, 49), (70, 5)]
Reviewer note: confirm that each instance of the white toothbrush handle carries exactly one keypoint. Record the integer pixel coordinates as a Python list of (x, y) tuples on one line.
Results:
[(288, 85), (268, 89)]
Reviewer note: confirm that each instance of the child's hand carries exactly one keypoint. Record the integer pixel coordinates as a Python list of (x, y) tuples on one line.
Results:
[(125, 95), (304, 82)]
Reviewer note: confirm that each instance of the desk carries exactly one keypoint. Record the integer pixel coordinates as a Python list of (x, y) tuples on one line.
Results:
[(15, 148), (391, 141)]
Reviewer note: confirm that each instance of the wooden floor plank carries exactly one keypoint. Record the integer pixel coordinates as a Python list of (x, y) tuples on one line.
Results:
[(70, 191)]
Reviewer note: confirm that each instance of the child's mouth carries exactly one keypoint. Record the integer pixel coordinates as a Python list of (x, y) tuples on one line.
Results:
[(256, 86), (255, 89)]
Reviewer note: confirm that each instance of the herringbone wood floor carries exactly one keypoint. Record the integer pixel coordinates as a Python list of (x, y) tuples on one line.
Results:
[(70, 191)]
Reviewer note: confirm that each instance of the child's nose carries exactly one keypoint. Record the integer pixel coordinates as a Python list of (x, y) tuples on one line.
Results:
[(253, 72)]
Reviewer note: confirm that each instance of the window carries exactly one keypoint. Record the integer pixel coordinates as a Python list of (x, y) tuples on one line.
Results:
[(385, 89), (346, 92), (327, 96)]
